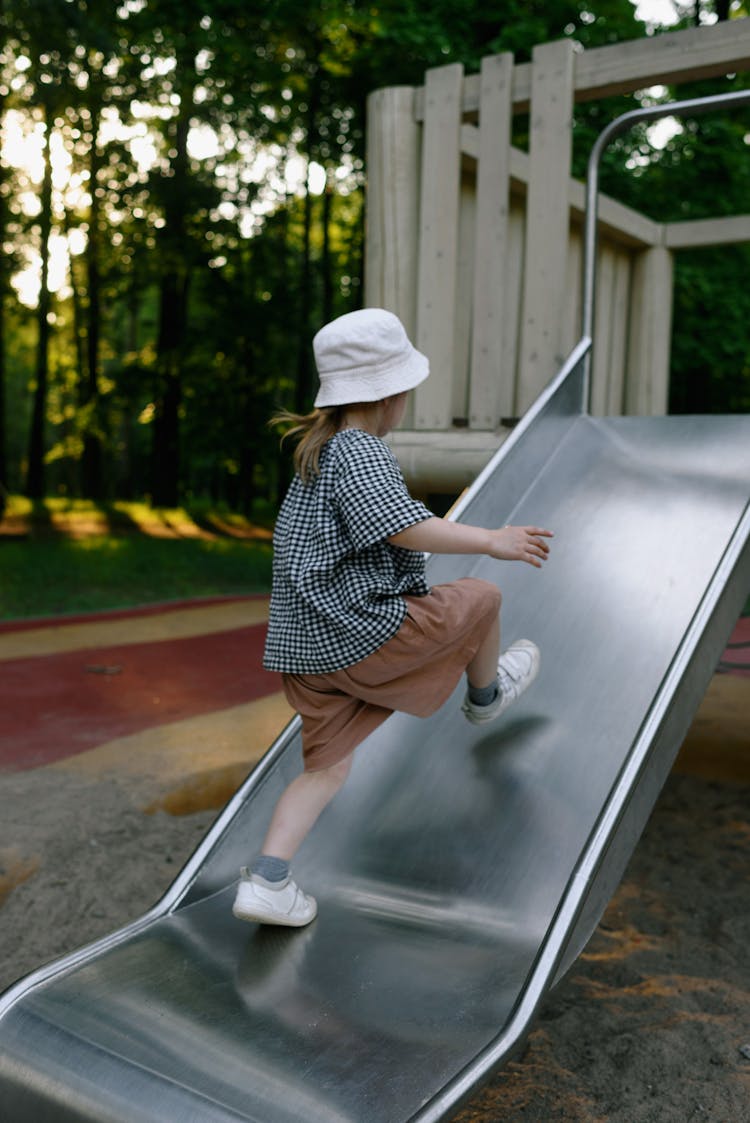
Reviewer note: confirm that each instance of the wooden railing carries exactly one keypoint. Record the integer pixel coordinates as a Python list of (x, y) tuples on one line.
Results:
[(477, 245)]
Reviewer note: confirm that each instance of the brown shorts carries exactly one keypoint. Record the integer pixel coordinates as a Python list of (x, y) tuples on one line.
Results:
[(415, 672)]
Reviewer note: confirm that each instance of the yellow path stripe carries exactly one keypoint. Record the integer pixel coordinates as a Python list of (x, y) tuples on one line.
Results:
[(717, 745), (180, 623), (169, 753)]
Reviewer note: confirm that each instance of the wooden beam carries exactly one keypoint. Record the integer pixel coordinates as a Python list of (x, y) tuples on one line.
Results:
[(616, 220), (444, 462), (438, 244), (610, 338), (491, 387), (666, 59), (393, 159), (647, 378), (707, 232), (547, 219)]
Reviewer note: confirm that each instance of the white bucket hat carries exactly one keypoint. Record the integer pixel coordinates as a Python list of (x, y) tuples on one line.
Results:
[(366, 356)]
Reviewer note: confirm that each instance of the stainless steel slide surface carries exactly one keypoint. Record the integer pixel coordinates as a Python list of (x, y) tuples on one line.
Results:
[(461, 870)]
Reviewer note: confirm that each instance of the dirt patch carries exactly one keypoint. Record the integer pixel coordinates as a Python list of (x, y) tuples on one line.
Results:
[(203, 791), (652, 1024), (14, 870)]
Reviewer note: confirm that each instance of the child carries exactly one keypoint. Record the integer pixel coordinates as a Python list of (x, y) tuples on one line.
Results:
[(354, 629)]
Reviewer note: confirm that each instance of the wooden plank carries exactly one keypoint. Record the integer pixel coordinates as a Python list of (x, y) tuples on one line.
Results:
[(546, 217), (616, 220), (511, 334), (438, 244), (490, 386), (462, 346), (393, 161), (619, 312), (647, 385), (603, 330), (666, 59), (707, 232), (571, 326), (520, 92), (443, 462)]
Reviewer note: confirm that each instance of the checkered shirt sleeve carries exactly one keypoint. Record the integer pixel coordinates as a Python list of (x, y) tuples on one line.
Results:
[(338, 583)]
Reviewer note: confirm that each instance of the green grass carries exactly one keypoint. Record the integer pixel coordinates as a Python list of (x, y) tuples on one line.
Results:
[(117, 557), (46, 573), (47, 577)]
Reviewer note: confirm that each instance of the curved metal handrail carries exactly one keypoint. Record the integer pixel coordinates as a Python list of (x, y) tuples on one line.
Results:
[(620, 125)]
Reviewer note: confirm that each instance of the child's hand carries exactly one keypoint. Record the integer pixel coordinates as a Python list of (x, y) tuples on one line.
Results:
[(509, 543), (521, 543)]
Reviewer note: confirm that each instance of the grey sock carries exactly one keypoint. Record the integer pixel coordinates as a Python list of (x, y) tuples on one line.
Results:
[(484, 695), (270, 869)]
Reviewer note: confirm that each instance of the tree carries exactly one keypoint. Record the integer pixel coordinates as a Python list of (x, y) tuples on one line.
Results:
[(44, 33), (8, 265), (206, 258), (189, 60)]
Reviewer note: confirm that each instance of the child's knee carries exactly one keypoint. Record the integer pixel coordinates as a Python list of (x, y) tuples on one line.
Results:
[(494, 598), (341, 769), (333, 775)]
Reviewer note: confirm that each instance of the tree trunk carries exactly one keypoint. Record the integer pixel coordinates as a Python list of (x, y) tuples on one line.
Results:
[(4, 277), (172, 318), (3, 420), (5, 283), (35, 471), (304, 389), (77, 300), (327, 263), (91, 464), (252, 419), (165, 466), (304, 394)]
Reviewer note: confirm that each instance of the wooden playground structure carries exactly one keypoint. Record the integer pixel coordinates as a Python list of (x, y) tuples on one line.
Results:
[(477, 245)]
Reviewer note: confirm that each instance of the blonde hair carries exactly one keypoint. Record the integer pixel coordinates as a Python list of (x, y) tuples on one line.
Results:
[(311, 431)]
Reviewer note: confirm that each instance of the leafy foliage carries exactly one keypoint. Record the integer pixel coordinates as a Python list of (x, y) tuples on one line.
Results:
[(213, 211)]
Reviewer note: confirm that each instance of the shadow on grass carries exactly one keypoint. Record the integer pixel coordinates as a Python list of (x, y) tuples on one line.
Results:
[(75, 519), (66, 556)]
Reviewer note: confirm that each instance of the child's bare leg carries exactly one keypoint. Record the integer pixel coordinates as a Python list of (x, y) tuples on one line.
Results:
[(266, 893), (299, 807), (496, 681), (482, 670)]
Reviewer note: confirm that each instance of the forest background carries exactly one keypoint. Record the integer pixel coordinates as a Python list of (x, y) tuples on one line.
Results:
[(182, 190)]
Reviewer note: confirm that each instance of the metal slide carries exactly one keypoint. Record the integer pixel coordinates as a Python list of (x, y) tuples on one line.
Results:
[(461, 870)]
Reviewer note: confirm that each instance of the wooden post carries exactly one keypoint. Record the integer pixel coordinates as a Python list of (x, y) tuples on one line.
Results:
[(621, 289), (438, 244), (490, 386), (547, 218), (393, 164), (610, 336), (647, 386)]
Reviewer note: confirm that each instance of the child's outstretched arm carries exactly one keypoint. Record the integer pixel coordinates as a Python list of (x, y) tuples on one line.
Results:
[(509, 543)]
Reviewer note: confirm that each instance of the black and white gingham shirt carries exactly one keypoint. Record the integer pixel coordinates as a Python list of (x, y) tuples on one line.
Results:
[(337, 581)]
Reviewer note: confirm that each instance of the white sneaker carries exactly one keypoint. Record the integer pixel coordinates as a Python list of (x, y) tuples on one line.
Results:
[(516, 670), (287, 905)]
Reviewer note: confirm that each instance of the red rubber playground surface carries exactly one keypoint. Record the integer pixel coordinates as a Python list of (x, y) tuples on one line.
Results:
[(70, 685)]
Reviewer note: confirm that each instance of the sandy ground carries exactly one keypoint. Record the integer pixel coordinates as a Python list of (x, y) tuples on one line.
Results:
[(652, 1024)]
